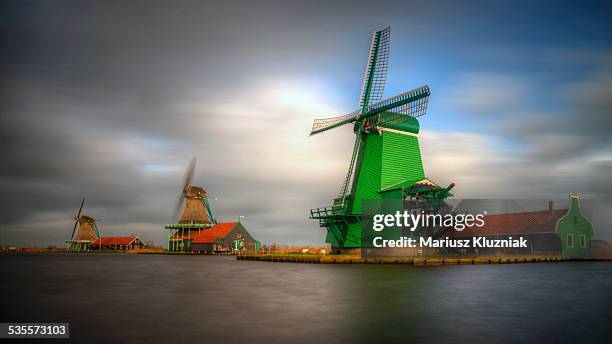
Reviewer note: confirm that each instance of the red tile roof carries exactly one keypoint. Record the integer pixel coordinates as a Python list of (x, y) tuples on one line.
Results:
[(209, 235), (516, 223), (115, 240)]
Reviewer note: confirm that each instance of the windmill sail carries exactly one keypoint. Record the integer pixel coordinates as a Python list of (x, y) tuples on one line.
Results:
[(76, 218), (412, 103), (349, 174), (376, 69), (323, 124), (405, 103)]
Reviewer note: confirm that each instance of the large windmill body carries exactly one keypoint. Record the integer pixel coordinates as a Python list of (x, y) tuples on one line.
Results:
[(87, 229), (386, 161), (195, 210)]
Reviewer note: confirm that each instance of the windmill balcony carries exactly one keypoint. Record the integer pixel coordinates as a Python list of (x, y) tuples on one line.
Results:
[(326, 215)]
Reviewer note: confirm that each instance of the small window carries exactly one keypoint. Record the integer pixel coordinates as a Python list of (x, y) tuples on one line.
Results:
[(239, 235), (570, 240), (582, 241)]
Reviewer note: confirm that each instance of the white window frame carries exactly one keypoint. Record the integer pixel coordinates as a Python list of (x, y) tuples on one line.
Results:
[(582, 241), (570, 240)]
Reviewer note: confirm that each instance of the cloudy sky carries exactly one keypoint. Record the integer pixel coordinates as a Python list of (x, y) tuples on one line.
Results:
[(112, 99)]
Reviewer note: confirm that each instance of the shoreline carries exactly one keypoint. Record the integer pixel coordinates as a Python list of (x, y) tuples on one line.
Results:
[(415, 261), (351, 259)]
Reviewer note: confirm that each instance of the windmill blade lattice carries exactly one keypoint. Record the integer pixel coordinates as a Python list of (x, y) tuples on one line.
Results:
[(412, 103), (402, 103), (323, 124), (376, 70)]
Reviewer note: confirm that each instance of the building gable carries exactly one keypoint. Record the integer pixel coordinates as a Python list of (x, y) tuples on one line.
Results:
[(242, 228), (574, 230)]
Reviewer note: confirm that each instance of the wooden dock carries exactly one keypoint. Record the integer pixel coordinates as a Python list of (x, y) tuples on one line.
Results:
[(311, 259)]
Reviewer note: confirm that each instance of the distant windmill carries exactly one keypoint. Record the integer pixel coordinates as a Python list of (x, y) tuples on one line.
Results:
[(87, 231), (194, 200), (196, 213)]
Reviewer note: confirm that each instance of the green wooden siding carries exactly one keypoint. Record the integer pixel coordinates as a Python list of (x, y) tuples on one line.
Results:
[(386, 159), (575, 225), (368, 177), (330, 239), (353, 236), (401, 159)]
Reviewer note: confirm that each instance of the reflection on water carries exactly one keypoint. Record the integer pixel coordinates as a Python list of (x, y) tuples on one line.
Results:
[(143, 298)]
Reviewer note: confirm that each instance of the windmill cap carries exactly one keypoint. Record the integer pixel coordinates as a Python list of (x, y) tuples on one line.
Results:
[(85, 218), (195, 191)]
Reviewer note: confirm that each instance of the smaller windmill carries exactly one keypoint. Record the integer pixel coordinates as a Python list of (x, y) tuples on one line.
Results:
[(196, 213), (196, 209), (87, 231)]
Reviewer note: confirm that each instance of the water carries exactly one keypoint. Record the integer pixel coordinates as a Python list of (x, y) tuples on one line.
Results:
[(118, 298)]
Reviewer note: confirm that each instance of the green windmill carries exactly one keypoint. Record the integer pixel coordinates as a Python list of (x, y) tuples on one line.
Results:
[(386, 161)]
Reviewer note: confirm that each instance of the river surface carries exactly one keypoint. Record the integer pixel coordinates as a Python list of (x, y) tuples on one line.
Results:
[(125, 298)]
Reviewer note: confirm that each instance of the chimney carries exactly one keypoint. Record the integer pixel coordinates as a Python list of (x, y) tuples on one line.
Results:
[(551, 206)]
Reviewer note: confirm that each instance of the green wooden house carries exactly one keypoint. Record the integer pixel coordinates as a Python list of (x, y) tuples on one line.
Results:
[(564, 232), (574, 230)]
